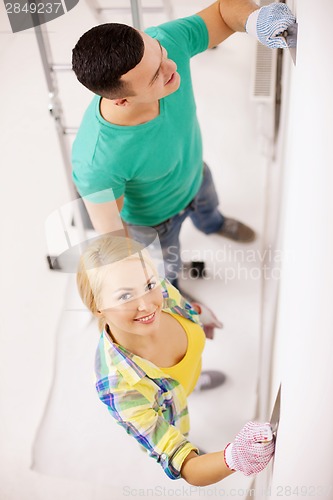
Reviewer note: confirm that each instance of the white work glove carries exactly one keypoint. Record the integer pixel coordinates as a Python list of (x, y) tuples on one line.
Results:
[(269, 23), (251, 450), (208, 319)]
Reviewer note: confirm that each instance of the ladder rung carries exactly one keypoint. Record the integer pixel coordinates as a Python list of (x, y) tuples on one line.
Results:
[(61, 67), (128, 9), (70, 130)]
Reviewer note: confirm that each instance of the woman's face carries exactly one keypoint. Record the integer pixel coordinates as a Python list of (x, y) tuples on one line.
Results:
[(131, 297)]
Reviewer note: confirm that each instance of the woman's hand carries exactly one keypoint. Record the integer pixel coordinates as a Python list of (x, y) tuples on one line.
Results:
[(250, 453), (208, 319), (251, 450)]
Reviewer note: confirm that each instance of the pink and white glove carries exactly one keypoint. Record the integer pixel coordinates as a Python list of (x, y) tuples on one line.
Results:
[(251, 450), (208, 319)]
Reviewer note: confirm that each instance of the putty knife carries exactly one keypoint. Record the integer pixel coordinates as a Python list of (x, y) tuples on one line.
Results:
[(290, 35), (275, 417)]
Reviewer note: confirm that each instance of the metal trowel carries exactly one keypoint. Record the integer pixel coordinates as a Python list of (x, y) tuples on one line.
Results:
[(275, 417)]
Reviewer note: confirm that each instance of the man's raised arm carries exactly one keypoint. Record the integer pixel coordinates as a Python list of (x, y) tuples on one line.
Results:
[(235, 13), (225, 17), (105, 217)]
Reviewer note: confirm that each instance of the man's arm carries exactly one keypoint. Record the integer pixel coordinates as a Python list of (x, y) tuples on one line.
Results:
[(266, 24), (224, 17), (105, 217), (236, 12)]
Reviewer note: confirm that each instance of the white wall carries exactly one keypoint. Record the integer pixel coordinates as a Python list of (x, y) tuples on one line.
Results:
[(304, 349)]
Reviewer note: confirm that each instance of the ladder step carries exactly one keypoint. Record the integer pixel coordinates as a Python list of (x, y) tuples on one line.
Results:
[(70, 130), (150, 10), (61, 67)]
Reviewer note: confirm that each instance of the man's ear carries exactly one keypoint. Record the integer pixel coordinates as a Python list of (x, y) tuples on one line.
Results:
[(120, 102)]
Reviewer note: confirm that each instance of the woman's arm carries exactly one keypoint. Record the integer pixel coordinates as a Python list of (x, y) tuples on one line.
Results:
[(250, 453), (205, 469), (144, 421)]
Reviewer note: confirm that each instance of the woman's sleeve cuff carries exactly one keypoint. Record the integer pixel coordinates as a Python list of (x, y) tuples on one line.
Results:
[(228, 457)]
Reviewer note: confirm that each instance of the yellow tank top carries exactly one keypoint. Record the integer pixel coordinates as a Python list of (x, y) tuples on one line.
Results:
[(187, 371)]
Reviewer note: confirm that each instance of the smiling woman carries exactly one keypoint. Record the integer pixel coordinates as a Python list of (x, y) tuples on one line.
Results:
[(149, 360), (110, 274)]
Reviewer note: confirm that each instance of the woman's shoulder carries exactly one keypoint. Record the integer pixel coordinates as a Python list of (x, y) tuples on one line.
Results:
[(176, 304)]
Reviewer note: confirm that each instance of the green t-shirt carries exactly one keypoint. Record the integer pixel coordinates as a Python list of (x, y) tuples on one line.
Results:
[(157, 165)]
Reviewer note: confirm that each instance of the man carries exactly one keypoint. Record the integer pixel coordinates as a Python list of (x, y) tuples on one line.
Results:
[(139, 149)]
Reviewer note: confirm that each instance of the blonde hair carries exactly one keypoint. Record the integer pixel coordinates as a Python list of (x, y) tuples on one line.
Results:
[(91, 271)]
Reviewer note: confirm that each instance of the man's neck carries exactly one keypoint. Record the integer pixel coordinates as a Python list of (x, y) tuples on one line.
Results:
[(135, 114)]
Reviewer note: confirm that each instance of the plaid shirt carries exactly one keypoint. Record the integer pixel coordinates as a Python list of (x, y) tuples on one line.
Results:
[(145, 401)]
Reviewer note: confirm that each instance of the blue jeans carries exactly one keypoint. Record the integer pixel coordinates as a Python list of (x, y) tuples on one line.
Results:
[(205, 216)]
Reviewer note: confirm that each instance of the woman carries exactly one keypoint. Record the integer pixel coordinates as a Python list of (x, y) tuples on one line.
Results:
[(149, 360)]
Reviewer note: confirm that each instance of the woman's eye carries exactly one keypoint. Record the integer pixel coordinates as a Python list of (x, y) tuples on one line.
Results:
[(125, 296), (151, 285)]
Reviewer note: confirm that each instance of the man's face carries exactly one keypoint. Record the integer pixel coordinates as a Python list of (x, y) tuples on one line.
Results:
[(155, 76)]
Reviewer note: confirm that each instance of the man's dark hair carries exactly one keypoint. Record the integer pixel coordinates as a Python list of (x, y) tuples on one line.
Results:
[(105, 53)]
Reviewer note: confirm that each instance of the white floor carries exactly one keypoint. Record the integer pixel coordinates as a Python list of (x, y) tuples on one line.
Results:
[(78, 456)]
